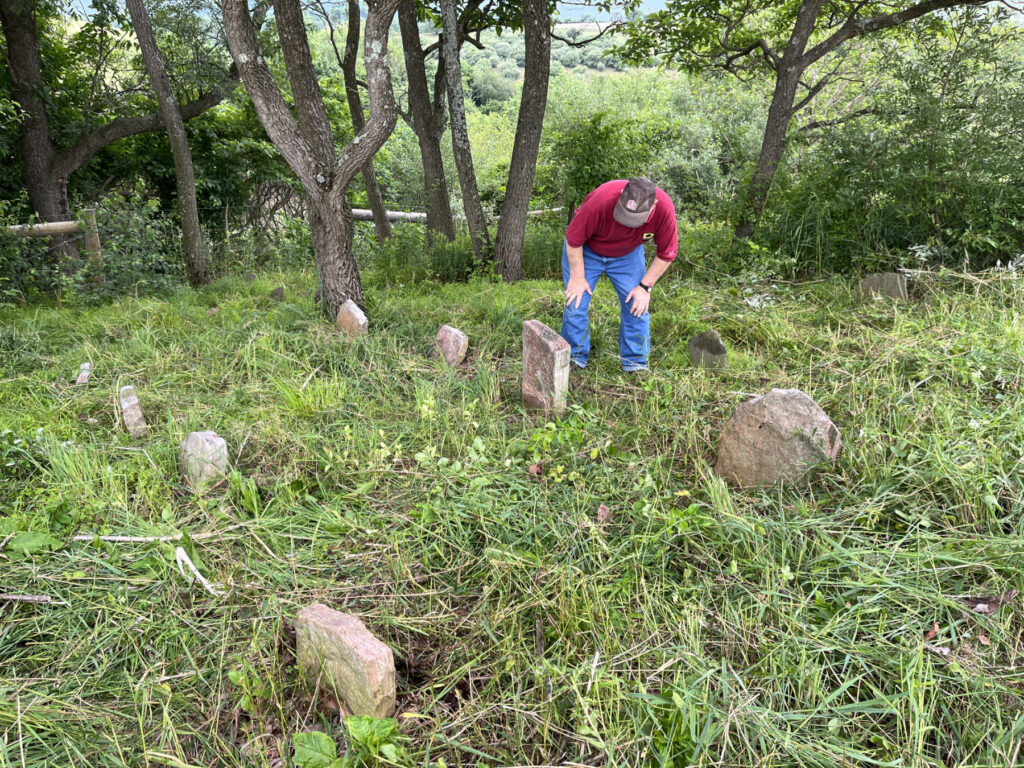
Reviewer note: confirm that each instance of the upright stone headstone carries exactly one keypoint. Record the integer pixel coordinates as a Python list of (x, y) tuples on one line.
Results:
[(890, 284), (351, 319), (204, 458), (707, 349), (131, 412), (778, 437), (338, 649), (452, 344), (83, 373), (545, 368)]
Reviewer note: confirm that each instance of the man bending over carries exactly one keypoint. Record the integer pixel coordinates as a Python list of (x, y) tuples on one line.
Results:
[(606, 237)]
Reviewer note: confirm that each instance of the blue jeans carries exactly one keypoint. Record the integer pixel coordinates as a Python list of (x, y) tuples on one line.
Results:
[(625, 273)]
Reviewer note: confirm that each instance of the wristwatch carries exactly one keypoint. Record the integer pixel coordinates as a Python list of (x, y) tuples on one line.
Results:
[(646, 287)]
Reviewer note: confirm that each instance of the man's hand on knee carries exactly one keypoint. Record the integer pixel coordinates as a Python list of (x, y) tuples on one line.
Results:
[(638, 300), (575, 289)]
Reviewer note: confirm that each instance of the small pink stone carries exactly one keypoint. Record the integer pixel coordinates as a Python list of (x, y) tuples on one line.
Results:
[(351, 319), (343, 654), (452, 344)]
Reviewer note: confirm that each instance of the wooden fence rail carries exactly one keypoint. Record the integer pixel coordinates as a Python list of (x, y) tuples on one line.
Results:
[(87, 226)]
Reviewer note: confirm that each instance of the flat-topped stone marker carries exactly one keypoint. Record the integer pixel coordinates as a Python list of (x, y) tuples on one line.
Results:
[(131, 412), (545, 368), (338, 649), (204, 458), (707, 349), (773, 438), (890, 284), (83, 373), (452, 344), (351, 319)]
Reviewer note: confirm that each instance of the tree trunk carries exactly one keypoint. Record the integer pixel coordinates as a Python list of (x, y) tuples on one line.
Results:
[(47, 190), (508, 247), (460, 133), (780, 113), (305, 140), (772, 147), (332, 238), (428, 132), (195, 258), (355, 108)]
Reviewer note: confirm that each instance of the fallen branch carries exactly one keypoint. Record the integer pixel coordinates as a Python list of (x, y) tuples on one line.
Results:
[(44, 599)]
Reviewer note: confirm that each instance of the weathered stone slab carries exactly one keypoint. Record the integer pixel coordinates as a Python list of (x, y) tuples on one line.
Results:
[(83, 373), (351, 319), (545, 368), (778, 437), (707, 349), (278, 293), (357, 667), (452, 344), (131, 412), (204, 458), (890, 284)]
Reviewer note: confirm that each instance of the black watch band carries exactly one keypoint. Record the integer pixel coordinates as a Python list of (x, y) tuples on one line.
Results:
[(646, 287)]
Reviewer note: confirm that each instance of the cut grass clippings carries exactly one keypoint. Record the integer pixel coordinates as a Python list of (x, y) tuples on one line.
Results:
[(583, 591)]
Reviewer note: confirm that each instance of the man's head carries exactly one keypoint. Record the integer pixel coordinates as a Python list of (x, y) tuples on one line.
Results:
[(635, 203)]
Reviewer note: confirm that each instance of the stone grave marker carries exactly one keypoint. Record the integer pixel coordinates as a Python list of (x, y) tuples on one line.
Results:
[(707, 349), (204, 458), (131, 412), (83, 373), (545, 368), (452, 344), (338, 649), (778, 437), (890, 284), (351, 319)]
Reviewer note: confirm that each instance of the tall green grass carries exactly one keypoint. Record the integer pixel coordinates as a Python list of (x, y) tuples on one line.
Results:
[(824, 626)]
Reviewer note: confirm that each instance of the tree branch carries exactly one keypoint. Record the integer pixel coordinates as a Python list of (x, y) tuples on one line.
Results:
[(383, 110), (580, 43), (76, 156), (855, 27), (276, 118)]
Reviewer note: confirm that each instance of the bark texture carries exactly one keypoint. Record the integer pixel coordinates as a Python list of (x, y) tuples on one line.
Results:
[(475, 217), (355, 107), (780, 112), (427, 124), (305, 140), (508, 245), (192, 236)]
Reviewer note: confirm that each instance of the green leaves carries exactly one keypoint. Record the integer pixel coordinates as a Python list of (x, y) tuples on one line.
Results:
[(371, 738), (315, 750), (31, 542)]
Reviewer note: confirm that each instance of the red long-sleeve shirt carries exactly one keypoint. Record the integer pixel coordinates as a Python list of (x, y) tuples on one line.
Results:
[(594, 225)]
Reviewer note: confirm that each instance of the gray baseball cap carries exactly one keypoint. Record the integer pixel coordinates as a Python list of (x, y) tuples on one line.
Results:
[(635, 203)]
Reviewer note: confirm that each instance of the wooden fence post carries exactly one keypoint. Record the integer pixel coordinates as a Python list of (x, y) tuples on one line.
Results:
[(91, 244)]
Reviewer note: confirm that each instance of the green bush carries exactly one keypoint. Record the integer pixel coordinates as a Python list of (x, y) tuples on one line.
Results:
[(934, 173), (409, 257)]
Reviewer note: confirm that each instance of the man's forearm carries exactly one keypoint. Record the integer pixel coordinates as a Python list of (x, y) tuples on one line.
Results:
[(654, 272), (575, 256)]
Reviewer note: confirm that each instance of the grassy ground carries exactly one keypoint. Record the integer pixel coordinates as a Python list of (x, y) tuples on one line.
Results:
[(698, 626)]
